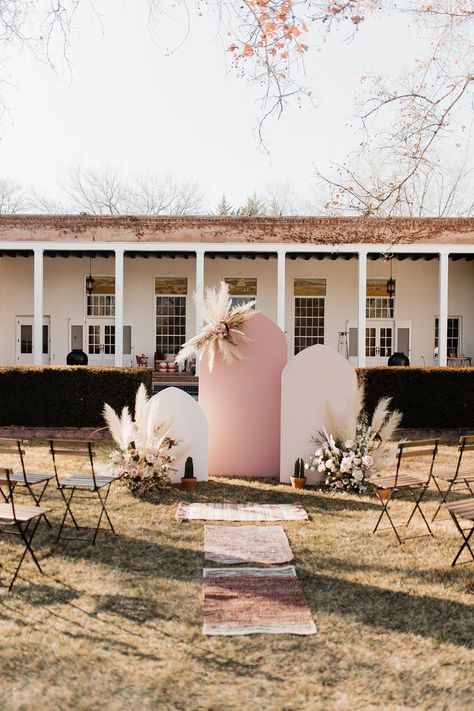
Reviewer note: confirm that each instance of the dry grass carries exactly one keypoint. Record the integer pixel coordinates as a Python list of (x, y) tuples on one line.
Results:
[(118, 625)]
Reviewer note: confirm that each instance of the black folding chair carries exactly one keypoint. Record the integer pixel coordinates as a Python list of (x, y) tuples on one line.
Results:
[(93, 483), (14, 448), (463, 509), (16, 520), (461, 478), (388, 485)]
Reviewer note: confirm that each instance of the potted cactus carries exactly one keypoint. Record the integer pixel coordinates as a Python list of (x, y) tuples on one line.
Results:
[(188, 481), (298, 480)]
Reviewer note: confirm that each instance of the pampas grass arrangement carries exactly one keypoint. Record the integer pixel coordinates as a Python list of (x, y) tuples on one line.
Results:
[(223, 330), (144, 455)]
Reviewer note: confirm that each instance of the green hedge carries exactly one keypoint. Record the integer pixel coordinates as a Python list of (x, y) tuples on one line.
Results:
[(438, 398), (72, 396)]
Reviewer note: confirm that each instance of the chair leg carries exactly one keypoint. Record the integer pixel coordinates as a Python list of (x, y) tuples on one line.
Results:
[(103, 510), (385, 511), (67, 502), (27, 541), (37, 499), (466, 539), (444, 495), (417, 506)]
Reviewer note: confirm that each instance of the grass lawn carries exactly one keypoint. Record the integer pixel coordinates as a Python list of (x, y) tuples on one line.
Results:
[(118, 625)]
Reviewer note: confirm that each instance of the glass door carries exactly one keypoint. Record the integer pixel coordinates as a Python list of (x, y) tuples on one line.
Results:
[(100, 346), (379, 342), (24, 340)]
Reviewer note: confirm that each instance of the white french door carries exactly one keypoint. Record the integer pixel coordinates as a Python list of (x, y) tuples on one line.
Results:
[(24, 340), (382, 339), (100, 342)]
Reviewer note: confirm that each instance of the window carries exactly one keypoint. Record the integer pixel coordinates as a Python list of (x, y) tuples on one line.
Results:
[(170, 296), (26, 339), (378, 303), (309, 312), (102, 300), (454, 348), (241, 290)]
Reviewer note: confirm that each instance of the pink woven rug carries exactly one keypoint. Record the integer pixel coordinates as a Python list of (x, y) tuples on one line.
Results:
[(246, 544), (241, 601), (240, 512)]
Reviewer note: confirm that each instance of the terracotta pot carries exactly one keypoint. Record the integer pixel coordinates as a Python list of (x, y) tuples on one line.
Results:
[(298, 482), (384, 493), (188, 482)]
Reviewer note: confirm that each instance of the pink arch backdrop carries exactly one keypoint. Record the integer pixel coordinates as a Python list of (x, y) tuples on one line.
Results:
[(242, 404)]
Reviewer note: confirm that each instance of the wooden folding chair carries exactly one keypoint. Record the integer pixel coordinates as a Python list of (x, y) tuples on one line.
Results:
[(16, 448), (463, 509), (462, 477), (99, 485), (15, 520), (386, 485)]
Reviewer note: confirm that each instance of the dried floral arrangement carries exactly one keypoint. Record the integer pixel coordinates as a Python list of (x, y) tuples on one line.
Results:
[(223, 330), (144, 454), (347, 461)]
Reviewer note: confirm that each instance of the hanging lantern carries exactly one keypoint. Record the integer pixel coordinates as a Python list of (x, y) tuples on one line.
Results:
[(90, 279), (391, 282)]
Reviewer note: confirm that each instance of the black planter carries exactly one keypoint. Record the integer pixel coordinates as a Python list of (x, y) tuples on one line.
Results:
[(398, 359), (77, 357)]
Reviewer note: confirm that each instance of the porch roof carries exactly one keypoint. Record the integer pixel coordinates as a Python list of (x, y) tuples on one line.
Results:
[(75, 229)]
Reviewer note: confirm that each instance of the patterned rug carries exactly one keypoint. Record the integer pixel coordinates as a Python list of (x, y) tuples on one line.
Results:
[(240, 512), (246, 544), (255, 600)]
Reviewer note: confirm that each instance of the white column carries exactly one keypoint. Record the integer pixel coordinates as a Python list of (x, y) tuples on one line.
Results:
[(200, 295), (38, 306), (362, 283), (443, 307), (281, 291), (119, 307)]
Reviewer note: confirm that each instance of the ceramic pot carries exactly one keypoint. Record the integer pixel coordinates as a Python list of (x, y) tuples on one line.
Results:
[(298, 482), (162, 366), (77, 357), (188, 482), (398, 359), (172, 367)]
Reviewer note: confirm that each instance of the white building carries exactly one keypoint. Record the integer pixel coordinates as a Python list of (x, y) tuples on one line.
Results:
[(316, 277)]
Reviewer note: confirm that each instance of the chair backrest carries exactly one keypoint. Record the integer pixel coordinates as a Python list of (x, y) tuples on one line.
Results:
[(9, 446), (5, 474), (466, 444), (81, 449), (427, 448)]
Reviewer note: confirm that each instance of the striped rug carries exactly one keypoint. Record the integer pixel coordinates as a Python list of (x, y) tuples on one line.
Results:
[(246, 544), (241, 601), (240, 512)]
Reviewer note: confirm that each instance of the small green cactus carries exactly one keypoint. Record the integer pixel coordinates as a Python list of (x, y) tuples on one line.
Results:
[(189, 468), (299, 469)]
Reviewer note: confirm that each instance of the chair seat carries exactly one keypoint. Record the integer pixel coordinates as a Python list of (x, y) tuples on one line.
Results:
[(402, 481), (22, 513), (463, 508), (449, 476), (86, 481), (30, 478)]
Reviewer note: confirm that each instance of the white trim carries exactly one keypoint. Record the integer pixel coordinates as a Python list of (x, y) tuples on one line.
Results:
[(443, 308), (281, 291), (275, 248), (119, 299), (362, 305), (38, 307)]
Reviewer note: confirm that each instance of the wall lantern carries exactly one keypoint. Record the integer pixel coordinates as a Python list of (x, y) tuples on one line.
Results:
[(90, 279), (391, 282)]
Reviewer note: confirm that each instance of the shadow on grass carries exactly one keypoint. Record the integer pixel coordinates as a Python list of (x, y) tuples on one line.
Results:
[(431, 617)]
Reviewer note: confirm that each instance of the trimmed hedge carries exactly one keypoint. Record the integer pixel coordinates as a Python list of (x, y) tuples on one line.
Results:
[(72, 396), (431, 398)]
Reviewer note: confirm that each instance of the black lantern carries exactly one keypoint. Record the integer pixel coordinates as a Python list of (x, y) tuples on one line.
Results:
[(391, 282), (90, 279)]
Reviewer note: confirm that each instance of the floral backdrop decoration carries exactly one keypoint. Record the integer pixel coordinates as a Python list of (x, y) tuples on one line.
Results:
[(347, 460), (144, 454), (223, 327)]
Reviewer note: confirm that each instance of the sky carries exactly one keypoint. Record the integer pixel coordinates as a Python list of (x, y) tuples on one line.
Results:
[(124, 101)]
